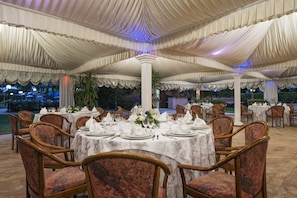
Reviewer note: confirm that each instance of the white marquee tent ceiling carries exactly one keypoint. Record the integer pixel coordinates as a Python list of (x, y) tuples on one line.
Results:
[(195, 42)]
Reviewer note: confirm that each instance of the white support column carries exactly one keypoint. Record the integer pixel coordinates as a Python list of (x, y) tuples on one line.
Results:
[(237, 101), (146, 62)]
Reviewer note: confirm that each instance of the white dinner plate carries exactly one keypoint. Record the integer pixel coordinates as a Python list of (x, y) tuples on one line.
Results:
[(136, 137), (84, 128), (188, 134), (100, 134), (199, 127)]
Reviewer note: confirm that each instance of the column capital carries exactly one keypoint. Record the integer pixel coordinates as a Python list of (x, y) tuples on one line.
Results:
[(146, 58)]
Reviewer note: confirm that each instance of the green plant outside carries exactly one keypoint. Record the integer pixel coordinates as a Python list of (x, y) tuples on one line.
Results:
[(86, 91)]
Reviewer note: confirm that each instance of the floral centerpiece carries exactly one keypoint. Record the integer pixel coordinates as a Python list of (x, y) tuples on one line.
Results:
[(72, 109), (147, 115)]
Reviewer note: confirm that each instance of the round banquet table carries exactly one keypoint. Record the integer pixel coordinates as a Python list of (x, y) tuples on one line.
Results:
[(197, 150)]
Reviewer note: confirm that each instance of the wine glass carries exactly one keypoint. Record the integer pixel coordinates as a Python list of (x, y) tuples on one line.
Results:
[(151, 123), (145, 123)]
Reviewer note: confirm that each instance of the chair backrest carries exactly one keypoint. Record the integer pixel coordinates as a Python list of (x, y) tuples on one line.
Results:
[(196, 110), (254, 131), (243, 108), (292, 108), (81, 121), (14, 121), (180, 109), (100, 110), (222, 126), (277, 111), (44, 133), (219, 109), (250, 168), (32, 158), (26, 118), (121, 174), (57, 120)]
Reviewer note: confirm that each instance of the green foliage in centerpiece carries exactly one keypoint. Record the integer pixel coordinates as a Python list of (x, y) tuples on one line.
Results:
[(72, 109), (147, 115)]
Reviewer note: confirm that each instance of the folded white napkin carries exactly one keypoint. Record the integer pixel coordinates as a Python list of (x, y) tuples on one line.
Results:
[(188, 116), (181, 129), (94, 109), (279, 104), (198, 121), (285, 104), (63, 110), (137, 131), (254, 104), (84, 109), (90, 122), (132, 117), (265, 104), (163, 117), (107, 118), (94, 126), (43, 110), (188, 106)]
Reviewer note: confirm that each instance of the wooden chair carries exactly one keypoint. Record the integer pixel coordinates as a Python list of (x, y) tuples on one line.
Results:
[(252, 131), (52, 138), (15, 130), (81, 121), (26, 118), (292, 114), (216, 110), (57, 120), (249, 179), (245, 112), (197, 110), (123, 112), (122, 174), (222, 126), (180, 109), (275, 112), (65, 182)]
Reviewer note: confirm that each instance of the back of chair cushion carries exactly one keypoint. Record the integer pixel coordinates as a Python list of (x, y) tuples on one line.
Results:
[(56, 120), (252, 167), (30, 159), (121, 178), (277, 111), (44, 133), (255, 131)]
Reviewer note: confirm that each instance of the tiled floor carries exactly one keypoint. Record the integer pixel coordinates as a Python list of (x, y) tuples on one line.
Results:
[(281, 165)]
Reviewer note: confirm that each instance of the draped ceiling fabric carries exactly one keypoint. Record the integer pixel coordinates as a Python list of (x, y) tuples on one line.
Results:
[(197, 43)]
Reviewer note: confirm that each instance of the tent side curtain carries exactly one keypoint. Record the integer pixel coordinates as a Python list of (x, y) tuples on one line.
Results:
[(23, 78)]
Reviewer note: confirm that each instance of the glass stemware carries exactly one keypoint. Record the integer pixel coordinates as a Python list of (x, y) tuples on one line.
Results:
[(145, 123), (151, 124)]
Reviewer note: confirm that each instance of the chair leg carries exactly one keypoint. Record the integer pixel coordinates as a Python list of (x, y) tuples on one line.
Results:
[(12, 142)]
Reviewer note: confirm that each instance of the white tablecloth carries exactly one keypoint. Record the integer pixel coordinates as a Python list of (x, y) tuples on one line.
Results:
[(259, 113), (72, 117), (197, 150)]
